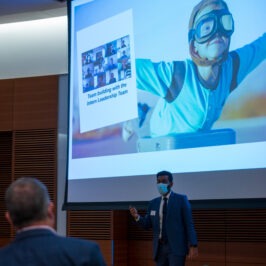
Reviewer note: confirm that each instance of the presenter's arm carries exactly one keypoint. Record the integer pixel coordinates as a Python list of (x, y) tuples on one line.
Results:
[(193, 252), (134, 213), (143, 221), (190, 229)]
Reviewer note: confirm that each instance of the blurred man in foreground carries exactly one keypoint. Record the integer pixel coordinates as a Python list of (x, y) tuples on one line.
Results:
[(31, 212)]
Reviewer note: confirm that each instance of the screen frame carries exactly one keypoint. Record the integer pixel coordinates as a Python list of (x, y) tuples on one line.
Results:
[(207, 203)]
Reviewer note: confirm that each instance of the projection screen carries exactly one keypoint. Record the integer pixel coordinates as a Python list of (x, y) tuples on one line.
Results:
[(154, 88)]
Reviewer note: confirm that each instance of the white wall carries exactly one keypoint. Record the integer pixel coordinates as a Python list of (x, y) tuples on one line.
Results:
[(34, 48), (39, 47)]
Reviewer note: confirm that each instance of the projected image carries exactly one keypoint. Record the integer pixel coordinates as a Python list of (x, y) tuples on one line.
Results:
[(181, 88), (105, 83), (192, 93), (106, 64), (182, 100)]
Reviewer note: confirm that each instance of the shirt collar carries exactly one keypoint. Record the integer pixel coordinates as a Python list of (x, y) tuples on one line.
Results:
[(35, 227), (167, 196)]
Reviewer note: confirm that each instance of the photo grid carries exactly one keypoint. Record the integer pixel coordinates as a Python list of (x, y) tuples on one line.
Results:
[(106, 64)]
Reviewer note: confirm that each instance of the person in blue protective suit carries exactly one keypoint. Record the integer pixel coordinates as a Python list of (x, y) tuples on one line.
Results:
[(193, 92)]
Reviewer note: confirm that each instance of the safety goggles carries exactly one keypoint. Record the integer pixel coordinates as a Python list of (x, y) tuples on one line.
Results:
[(207, 26)]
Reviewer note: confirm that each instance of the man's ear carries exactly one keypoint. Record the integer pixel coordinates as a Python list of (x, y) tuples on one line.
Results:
[(50, 209), (51, 214), (8, 218)]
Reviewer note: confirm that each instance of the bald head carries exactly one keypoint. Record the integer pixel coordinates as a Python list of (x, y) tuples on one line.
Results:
[(27, 201)]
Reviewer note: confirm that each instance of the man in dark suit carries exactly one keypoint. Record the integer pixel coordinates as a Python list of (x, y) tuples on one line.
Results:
[(30, 211), (170, 218)]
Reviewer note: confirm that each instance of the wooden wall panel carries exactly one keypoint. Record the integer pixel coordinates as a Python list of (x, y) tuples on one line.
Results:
[(216, 229), (119, 223), (100, 226), (35, 103), (210, 225), (6, 104), (106, 247), (210, 253), (135, 232), (246, 253), (248, 225), (5, 180), (244, 264), (140, 252), (120, 252), (199, 263), (28, 136), (95, 225), (35, 154), (4, 241), (226, 237)]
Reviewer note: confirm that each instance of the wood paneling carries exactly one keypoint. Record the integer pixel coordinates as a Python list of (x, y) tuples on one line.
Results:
[(28, 136), (245, 253), (99, 226), (200, 263), (139, 250), (135, 232), (210, 253), (6, 104), (120, 252), (226, 237), (247, 225), (244, 264), (35, 103), (5, 179), (95, 225), (106, 247), (231, 225), (35, 154), (210, 225), (119, 223)]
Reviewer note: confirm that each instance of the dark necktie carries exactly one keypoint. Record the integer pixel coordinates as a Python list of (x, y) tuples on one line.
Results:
[(164, 234)]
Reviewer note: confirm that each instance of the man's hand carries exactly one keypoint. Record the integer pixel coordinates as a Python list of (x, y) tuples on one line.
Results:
[(193, 252), (134, 212)]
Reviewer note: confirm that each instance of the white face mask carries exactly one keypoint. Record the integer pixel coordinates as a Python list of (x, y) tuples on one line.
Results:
[(163, 188)]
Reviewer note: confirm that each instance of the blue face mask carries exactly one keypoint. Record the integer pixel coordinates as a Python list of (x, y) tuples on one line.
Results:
[(163, 188)]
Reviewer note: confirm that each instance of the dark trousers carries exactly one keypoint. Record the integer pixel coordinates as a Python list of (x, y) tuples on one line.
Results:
[(165, 257)]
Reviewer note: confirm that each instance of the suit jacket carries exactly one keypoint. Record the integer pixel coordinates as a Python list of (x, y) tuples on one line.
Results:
[(42, 247), (179, 224)]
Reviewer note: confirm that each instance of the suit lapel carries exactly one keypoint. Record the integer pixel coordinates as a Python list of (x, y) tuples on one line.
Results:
[(170, 203)]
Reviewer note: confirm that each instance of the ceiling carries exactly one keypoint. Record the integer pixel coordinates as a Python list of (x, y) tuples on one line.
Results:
[(18, 10)]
